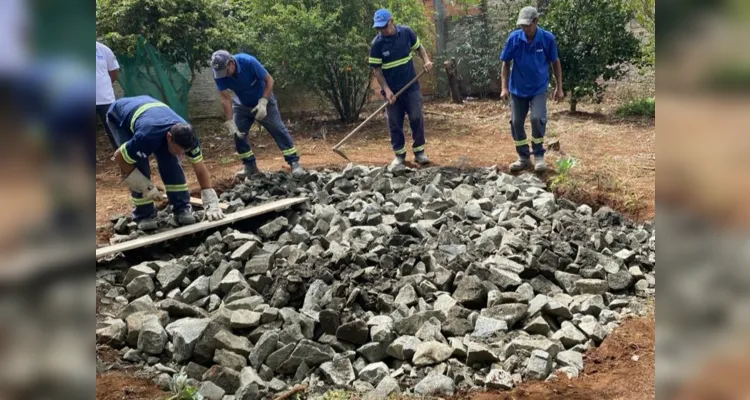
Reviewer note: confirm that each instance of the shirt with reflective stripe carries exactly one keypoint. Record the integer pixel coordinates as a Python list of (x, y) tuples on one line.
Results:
[(394, 55), (146, 121)]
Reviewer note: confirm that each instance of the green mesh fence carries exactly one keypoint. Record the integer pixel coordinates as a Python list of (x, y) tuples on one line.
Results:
[(148, 74)]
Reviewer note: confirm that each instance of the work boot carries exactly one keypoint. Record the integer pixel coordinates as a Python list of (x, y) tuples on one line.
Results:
[(539, 164), (520, 164), (185, 217), (398, 161), (421, 159), (297, 170), (148, 224), (247, 171)]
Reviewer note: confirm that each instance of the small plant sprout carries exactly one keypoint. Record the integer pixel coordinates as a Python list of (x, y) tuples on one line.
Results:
[(181, 390)]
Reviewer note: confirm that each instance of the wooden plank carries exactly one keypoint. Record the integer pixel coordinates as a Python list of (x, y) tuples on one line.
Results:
[(199, 203), (189, 229)]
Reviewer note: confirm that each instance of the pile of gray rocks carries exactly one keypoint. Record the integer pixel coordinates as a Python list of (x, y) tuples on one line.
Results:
[(427, 282)]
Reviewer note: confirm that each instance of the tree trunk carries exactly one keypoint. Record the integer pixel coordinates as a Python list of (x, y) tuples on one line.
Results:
[(573, 104), (453, 79)]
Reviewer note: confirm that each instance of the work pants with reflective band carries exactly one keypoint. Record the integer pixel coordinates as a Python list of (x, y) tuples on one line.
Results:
[(409, 103), (171, 174), (519, 110), (244, 118)]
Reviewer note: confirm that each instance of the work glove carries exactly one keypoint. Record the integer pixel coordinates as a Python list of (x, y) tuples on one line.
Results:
[(260, 109), (137, 182), (211, 205), (232, 128)]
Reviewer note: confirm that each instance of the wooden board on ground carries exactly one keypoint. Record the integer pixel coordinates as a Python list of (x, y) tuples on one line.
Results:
[(199, 203), (187, 230)]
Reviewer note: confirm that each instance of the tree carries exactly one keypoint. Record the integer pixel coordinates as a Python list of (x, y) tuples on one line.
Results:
[(593, 43), (645, 15), (322, 46)]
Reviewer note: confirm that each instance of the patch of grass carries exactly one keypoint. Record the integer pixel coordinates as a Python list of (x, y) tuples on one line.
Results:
[(226, 160), (564, 165), (645, 107), (336, 395)]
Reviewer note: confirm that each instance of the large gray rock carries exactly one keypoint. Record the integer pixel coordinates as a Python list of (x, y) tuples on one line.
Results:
[(153, 337), (210, 391), (185, 334), (537, 326), (470, 293), (198, 289), (570, 358), (510, 313), (230, 360), (248, 392), (405, 212), (498, 378), (620, 281), (567, 281), (435, 385), (569, 335), (137, 271), (245, 251), (275, 359), (429, 353), (140, 285), (407, 296), (225, 378), (113, 333), (591, 286), (374, 351), (486, 327), (388, 386), (403, 348), (353, 332), (374, 373), (477, 353), (265, 346), (339, 371), (312, 298), (249, 376), (272, 229), (232, 278), (236, 344), (538, 366), (591, 327), (243, 319), (530, 344), (170, 276), (141, 304)]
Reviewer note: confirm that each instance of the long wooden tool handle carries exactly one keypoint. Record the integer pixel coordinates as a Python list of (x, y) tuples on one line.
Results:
[(378, 110)]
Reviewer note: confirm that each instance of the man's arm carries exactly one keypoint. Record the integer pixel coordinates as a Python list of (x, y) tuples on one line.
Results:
[(269, 87), (113, 75), (423, 55), (378, 72), (204, 177), (125, 168), (557, 68), (504, 77), (226, 104)]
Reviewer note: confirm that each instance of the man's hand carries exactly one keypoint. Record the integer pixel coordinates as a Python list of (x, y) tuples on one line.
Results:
[(137, 182), (232, 128), (260, 110), (559, 94), (211, 204), (428, 65), (389, 96), (504, 94)]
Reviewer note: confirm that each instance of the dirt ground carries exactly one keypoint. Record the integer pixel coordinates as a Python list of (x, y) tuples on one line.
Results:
[(616, 156)]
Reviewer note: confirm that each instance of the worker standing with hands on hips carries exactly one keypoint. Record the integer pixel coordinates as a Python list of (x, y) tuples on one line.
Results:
[(253, 101), (143, 126), (391, 59), (532, 50)]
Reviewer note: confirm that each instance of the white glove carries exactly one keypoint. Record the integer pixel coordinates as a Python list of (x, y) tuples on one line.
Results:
[(260, 110), (139, 183), (211, 205), (232, 128)]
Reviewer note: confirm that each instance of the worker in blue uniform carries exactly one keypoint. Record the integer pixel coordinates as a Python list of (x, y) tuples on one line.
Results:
[(253, 101), (391, 60), (143, 126)]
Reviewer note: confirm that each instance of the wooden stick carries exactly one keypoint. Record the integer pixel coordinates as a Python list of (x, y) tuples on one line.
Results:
[(200, 226), (289, 393), (199, 203)]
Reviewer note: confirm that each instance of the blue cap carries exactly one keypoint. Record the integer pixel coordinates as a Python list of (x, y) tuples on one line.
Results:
[(382, 17)]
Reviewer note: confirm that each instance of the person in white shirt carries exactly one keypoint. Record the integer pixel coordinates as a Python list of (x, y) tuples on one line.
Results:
[(106, 74)]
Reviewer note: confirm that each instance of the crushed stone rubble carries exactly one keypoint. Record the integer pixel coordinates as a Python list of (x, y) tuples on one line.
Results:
[(427, 282)]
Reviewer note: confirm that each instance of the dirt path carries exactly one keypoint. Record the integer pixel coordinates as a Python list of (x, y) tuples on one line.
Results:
[(616, 156)]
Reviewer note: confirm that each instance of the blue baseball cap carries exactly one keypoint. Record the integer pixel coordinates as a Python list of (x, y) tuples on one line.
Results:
[(382, 17)]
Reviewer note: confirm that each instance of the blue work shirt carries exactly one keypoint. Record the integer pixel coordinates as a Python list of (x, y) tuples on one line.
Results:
[(393, 55), (530, 71), (248, 82), (149, 121)]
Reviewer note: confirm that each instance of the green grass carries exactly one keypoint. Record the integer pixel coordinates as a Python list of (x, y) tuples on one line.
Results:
[(645, 107)]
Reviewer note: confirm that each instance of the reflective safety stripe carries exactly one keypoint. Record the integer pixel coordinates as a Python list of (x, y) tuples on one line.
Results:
[(538, 140), (524, 142), (289, 152), (400, 152), (375, 60), (125, 155), (416, 45), (397, 63), (141, 202), (140, 111), (418, 149), (176, 188), (247, 155), (196, 160)]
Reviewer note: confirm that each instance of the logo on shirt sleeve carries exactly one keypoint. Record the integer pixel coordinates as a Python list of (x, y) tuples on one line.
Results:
[(386, 53)]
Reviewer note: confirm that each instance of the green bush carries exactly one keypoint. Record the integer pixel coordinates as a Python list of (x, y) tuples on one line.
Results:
[(645, 107)]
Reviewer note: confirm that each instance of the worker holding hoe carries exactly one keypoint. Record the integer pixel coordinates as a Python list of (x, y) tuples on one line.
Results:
[(143, 126), (253, 101), (532, 50), (391, 59)]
